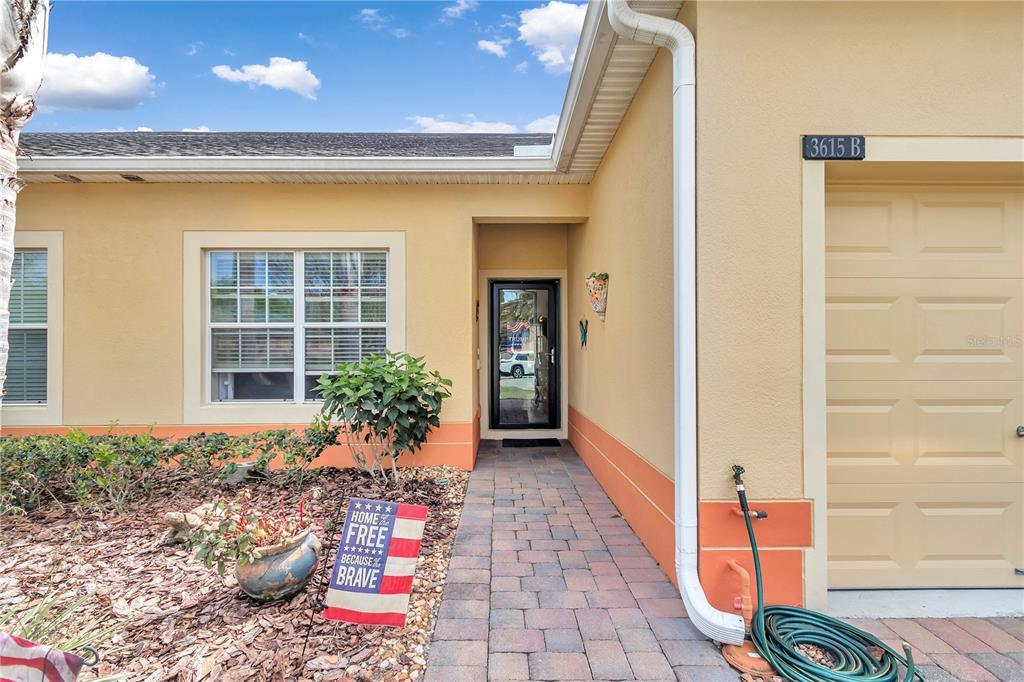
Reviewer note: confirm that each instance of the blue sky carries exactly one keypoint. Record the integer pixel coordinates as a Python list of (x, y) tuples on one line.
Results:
[(453, 66)]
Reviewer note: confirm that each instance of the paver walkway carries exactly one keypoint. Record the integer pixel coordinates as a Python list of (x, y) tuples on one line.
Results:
[(548, 582)]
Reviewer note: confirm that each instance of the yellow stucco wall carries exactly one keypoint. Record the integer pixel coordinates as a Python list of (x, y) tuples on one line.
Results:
[(522, 246), (123, 273), (767, 73)]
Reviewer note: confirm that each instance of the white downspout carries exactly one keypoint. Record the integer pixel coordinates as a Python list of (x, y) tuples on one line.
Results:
[(644, 28)]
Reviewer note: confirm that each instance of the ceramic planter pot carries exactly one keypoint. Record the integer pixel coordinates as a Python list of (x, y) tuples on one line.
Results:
[(597, 289), (280, 570)]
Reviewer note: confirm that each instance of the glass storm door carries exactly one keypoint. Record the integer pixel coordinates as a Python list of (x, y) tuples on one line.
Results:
[(524, 355)]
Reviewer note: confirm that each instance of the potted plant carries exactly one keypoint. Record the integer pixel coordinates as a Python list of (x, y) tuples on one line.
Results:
[(597, 289), (388, 403), (274, 555)]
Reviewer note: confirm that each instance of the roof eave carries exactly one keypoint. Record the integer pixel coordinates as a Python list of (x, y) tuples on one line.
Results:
[(283, 164), (597, 39)]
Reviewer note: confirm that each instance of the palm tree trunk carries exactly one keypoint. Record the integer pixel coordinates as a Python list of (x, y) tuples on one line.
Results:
[(12, 120), (23, 33), (9, 186)]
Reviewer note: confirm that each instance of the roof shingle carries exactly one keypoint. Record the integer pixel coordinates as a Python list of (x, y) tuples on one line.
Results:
[(244, 144)]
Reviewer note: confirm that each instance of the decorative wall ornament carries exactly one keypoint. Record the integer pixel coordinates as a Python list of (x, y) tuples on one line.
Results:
[(584, 324), (597, 288)]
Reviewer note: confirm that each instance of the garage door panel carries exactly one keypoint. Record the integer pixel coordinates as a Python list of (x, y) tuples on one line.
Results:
[(950, 329), (925, 377), (936, 535), (925, 431), (923, 233)]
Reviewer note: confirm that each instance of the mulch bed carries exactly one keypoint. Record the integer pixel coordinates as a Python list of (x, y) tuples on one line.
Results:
[(184, 622)]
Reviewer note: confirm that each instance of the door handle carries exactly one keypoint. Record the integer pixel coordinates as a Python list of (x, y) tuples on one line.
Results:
[(1020, 432)]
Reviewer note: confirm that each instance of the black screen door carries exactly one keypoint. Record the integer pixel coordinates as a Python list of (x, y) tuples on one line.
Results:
[(524, 355)]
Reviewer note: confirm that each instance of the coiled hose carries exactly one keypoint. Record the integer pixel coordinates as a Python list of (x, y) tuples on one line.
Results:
[(777, 631)]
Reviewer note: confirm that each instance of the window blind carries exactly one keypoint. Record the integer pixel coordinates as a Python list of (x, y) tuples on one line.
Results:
[(258, 340), (26, 364)]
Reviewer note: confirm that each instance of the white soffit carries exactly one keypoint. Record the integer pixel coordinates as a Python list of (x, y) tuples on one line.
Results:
[(607, 73)]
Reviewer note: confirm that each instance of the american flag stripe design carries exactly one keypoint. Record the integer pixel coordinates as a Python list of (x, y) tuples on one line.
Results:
[(389, 603), (25, 661)]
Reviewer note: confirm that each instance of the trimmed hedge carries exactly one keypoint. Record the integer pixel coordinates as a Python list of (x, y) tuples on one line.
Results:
[(110, 470)]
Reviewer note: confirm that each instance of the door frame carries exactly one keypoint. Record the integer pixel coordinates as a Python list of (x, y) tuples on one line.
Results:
[(484, 277), (553, 286), (815, 483)]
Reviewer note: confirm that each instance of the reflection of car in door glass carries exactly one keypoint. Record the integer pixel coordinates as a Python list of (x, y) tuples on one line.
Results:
[(516, 365)]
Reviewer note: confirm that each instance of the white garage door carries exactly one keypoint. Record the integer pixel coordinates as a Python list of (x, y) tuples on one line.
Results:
[(924, 329)]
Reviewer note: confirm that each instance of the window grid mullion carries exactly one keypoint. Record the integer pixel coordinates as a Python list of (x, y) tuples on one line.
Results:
[(298, 325), (298, 321)]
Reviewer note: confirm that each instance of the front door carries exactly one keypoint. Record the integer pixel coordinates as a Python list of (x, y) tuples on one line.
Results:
[(524, 355)]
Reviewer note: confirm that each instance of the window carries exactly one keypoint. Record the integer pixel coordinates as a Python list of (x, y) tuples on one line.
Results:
[(27, 362), (264, 347)]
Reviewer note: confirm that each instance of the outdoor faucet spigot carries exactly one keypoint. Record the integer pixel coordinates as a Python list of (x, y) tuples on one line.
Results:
[(741, 492)]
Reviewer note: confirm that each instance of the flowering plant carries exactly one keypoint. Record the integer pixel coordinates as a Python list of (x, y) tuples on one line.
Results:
[(237, 531)]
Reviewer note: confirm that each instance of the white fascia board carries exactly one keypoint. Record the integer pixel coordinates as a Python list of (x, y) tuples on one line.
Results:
[(282, 164)]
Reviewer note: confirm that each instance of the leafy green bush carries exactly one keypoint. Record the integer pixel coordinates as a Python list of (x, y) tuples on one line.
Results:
[(296, 450), (37, 469), (388, 403), (122, 467), (109, 470)]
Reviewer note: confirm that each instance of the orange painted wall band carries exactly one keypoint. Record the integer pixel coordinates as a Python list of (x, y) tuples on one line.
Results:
[(645, 497), (788, 524), (783, 571)]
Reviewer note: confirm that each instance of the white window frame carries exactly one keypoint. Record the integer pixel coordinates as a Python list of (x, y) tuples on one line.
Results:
[(48, 413), (198, 406)]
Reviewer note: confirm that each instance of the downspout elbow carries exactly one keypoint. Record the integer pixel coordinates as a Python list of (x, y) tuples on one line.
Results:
[(652, 30)]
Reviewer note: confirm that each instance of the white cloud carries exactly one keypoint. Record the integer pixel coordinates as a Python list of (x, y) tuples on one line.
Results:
[(544, 124), (440, 124), (194, 48), (371, 18), (498, 48), (522, 67), (280, 73), (552, 32), (200, 129), (459, 8), (140, 129), (97, 81)]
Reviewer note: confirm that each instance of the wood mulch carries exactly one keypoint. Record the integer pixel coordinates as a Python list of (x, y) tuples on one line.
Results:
[(184, 622)]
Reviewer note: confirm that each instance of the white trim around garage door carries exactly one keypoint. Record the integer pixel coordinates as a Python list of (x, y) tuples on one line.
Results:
[(885, 149)]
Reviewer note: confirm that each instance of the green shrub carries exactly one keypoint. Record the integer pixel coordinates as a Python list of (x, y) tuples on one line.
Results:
[(121, 468), (203, 452), (388, 403), (37, 469), (110, 470)]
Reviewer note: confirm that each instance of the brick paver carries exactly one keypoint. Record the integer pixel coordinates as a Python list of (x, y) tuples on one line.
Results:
[(548, 582)]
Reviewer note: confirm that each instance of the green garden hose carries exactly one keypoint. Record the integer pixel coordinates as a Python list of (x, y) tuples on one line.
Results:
[(777, 631)]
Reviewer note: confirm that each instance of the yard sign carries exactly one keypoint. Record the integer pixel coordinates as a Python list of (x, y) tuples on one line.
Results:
[(376, 562)]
